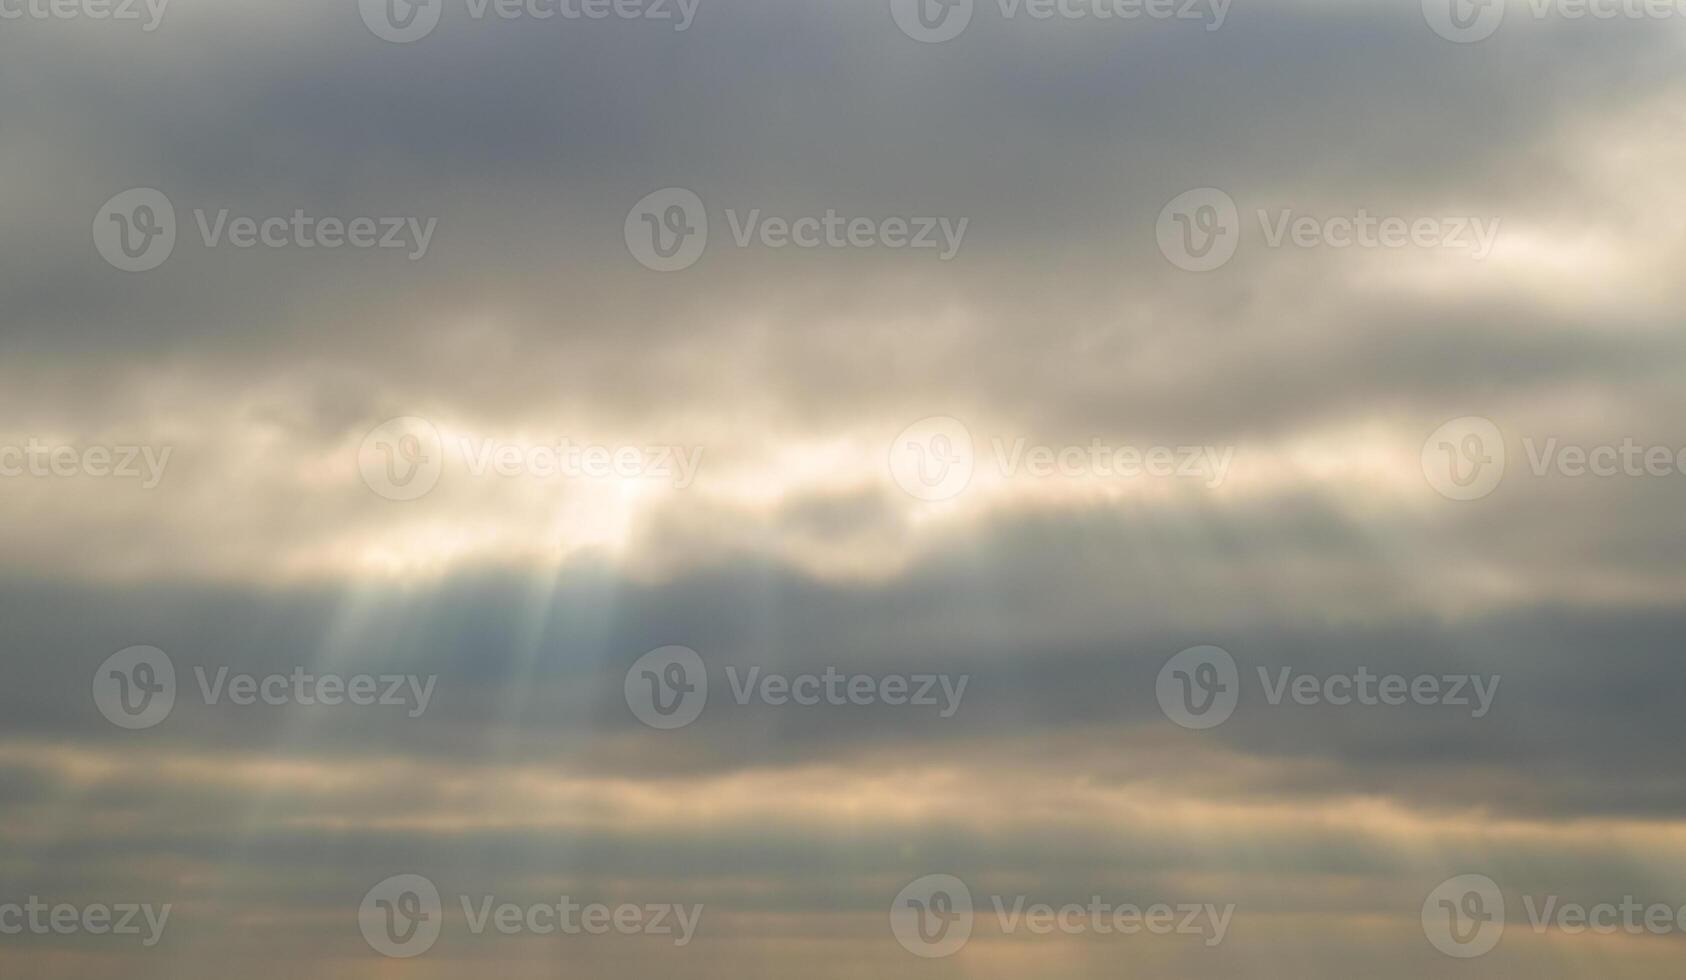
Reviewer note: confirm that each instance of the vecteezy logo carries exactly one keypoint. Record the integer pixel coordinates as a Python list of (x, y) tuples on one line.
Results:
[(401, 458), (667, 688), (1465, 458), (1199, 687), (1199, 230), (401, 21), (136, 230), (932, 21), (933, 458), (1464, 21), (1465, 916), (136, 687), (667, 230), (401, 916), (932, 916)]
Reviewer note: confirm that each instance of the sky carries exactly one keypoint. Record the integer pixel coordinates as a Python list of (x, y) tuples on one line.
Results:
[(741, 488)]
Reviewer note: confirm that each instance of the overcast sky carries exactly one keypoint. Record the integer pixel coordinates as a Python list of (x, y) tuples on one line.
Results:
[(498, 450)]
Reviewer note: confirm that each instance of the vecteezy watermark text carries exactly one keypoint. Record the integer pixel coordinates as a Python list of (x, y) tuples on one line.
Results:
[(135, 688), (44, 460), (933, 916), (1200, 230), (668, 688), (39, 918), (1470, 21), (1465, 459), (149, 12), (136, 231), (667, 231), (1464, 916), (406, 21), (935, 459), (571, 460), (936, 21), (403, 917), (1200, 687), (404, 459)]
